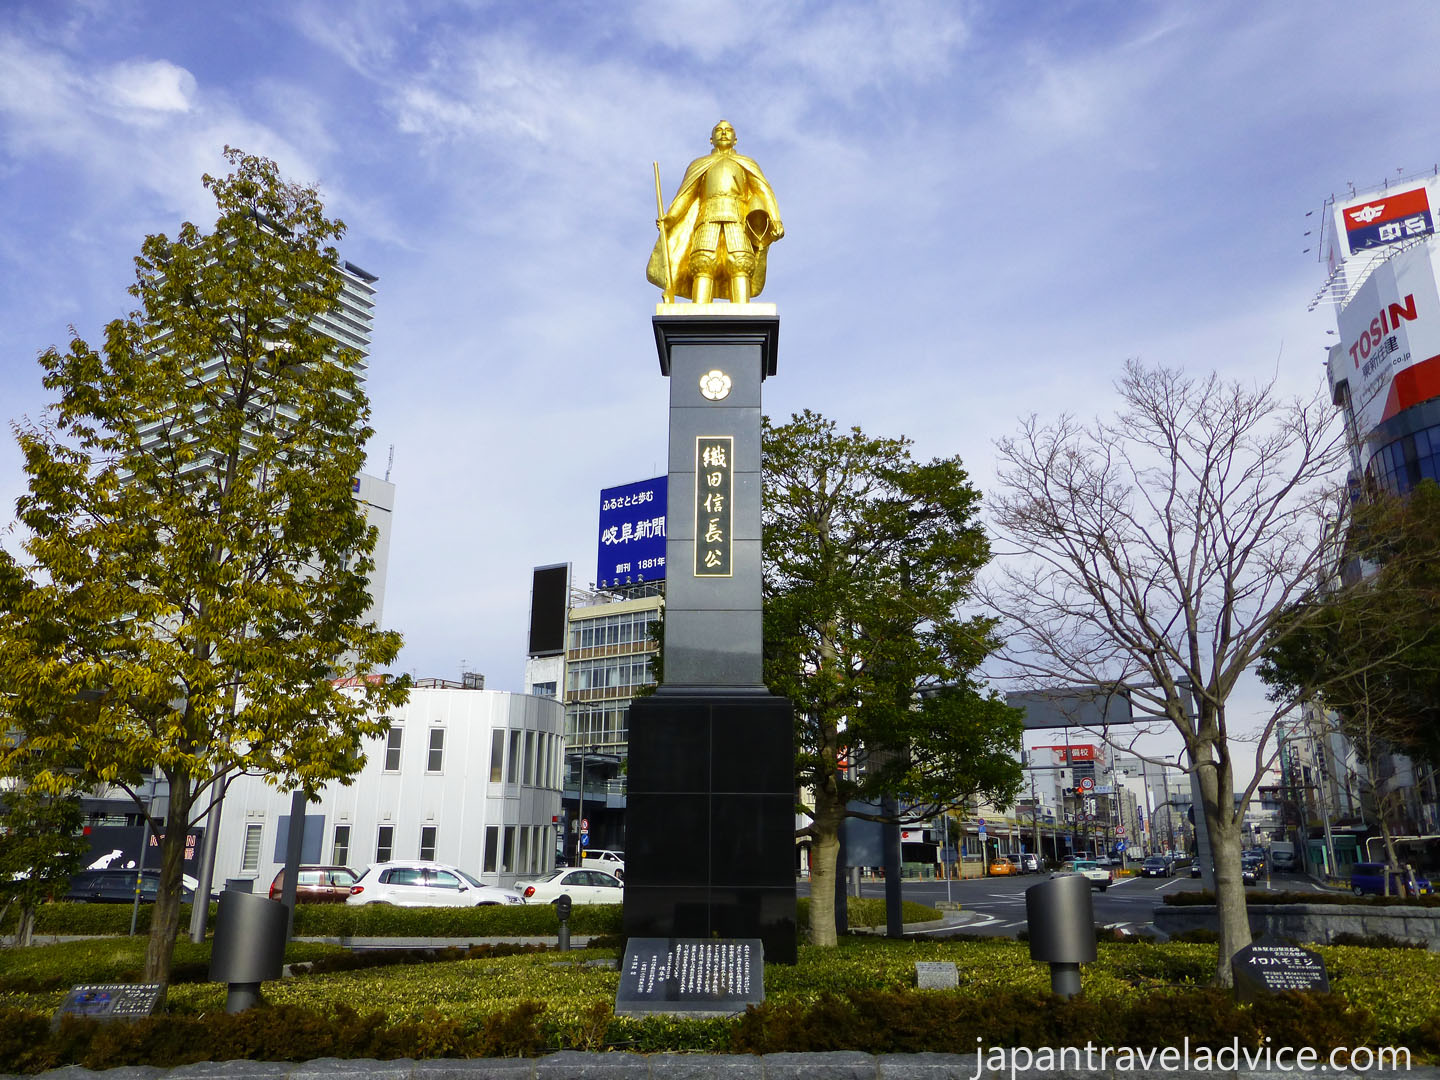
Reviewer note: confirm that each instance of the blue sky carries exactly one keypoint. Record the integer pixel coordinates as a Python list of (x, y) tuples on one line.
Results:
[(989, 206)]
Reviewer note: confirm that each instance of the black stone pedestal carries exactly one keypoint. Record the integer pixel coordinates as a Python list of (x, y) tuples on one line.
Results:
[(710, 818)]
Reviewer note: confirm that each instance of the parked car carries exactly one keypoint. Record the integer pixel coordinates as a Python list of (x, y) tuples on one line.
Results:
[(1098, 876), (317, 884), (118, 887), (1029, 863), (1157, 866), (426, 884), (1001, 866), (582, 886), (612, 862), (1368, 879)]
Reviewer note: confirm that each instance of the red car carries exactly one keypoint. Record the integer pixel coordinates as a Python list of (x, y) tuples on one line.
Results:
[(317, 884)]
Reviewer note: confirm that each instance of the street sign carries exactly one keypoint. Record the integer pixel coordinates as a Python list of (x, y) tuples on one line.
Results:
[(1119, 845), (584, 839), (1087, 784), (584, 824), (1120, 830)]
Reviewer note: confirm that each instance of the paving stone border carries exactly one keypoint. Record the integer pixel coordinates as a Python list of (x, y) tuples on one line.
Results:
[(572, 1065)]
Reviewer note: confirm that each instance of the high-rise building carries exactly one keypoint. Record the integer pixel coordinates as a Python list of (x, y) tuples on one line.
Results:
[(1383, 257)]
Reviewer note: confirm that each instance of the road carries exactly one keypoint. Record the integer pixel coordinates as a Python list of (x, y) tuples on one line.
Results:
[(1128, 904)]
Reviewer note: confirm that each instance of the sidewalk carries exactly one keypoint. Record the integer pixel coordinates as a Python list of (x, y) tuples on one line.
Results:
[(570, 1065)]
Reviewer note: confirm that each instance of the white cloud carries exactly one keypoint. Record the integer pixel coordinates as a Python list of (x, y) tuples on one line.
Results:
[(843, 48), (154, 85)]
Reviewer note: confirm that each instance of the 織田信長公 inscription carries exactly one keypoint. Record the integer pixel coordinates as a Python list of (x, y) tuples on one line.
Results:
[(714, 488)]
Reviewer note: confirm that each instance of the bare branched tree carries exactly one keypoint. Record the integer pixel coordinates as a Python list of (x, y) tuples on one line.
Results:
[(1159, 550)]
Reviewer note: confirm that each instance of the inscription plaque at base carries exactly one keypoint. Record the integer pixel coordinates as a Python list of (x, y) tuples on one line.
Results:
[(696, 977), (109, 1001), (1269, 969)]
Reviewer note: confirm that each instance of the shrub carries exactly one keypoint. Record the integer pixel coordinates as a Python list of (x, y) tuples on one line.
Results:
[(1375, 941)]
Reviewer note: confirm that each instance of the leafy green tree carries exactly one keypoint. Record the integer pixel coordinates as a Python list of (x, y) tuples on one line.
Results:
[(41, 846), (194, 575), (869, 555)]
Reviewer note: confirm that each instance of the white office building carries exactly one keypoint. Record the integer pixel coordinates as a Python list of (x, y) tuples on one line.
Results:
[(466, 776)]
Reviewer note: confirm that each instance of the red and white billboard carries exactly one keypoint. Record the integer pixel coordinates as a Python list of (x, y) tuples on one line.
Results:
[(1377, 219), (1077, 752), (1390, 338)]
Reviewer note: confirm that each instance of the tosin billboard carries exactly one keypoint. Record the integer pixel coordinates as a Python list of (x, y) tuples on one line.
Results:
[(1389, 351), (632, 533)]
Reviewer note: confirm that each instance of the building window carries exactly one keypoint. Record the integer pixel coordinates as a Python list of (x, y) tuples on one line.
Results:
[(513, 776), (340, 846), (384, 843), (392, 750), (427, 842), (530, 758), (492, 847), (543, 689), (497, 755), (436, 759), (507, 863), (250, 858)]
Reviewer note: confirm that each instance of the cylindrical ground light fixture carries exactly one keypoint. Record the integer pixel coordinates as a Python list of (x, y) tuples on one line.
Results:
[(562, 909), (1061, 917), (249, 946)]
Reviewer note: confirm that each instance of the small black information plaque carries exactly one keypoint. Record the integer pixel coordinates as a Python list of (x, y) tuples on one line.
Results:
[(696, 977), (1269, 969), (109, 1001)]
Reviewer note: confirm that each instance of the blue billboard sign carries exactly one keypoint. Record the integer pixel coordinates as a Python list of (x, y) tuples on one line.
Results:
[(632, 534)]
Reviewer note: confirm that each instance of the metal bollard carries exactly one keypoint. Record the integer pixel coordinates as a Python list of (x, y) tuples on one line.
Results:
[(562, 909), (1061, 917), (249, 946)]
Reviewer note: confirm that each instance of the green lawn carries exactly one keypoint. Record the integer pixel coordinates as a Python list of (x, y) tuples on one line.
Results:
[(859, 996)]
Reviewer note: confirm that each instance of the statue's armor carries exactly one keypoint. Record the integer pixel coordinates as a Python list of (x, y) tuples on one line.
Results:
[(723, 191)]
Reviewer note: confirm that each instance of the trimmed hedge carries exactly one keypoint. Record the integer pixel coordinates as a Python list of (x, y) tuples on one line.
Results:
[(515, 920), (866, 911), (44, 968), (382, 920), (1193, 899), (68, 917)]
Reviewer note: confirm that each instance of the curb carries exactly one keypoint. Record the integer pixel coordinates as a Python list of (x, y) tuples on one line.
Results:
[(836, 1065)]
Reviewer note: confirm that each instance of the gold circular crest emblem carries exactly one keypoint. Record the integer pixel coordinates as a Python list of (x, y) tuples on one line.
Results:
[(715, 385)]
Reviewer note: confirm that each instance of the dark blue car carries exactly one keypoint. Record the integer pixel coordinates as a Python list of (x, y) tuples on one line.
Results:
[(1368, 879)]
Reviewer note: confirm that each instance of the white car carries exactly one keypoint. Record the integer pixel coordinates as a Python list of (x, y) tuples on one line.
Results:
[(426, 884), (1099, 877), (612, 862), (582, 886)]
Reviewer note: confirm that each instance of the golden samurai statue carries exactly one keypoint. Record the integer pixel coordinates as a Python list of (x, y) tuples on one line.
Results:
[(714, 236)]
